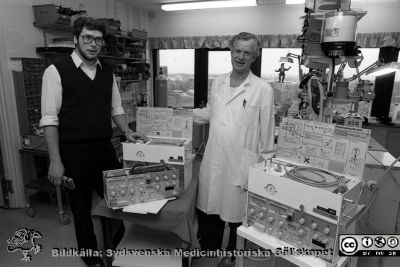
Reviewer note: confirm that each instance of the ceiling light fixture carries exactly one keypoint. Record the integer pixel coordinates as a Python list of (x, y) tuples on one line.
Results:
[(207, 4), (295, 2), (384, 69)]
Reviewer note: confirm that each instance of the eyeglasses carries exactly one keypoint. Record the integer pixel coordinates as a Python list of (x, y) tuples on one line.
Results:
[(87, 39)]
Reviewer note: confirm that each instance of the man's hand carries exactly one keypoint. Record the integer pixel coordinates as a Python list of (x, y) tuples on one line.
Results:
[(56, 173), (135, 137)]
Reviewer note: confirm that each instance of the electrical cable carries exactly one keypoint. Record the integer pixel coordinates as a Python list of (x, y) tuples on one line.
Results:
[(388, 168), (297, 174), (370, 202), (375, 188)]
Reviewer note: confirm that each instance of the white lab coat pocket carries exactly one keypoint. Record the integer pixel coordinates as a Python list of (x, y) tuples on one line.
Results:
[(249, 116), (248, 158)]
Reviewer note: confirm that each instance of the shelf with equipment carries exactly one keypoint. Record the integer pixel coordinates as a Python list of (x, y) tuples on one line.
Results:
[(28, 87), (126, 53)]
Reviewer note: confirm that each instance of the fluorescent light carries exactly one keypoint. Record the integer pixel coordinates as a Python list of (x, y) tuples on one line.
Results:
[(295, 2), (208, 4), (384, 69)]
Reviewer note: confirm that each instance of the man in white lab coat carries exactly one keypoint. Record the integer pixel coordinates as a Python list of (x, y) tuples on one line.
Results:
[(240, 111)]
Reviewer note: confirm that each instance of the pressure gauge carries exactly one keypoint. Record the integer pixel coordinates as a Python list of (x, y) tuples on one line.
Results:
[(270, 188)]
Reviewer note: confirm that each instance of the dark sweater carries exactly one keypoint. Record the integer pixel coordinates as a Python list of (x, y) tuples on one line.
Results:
[(85, 114)]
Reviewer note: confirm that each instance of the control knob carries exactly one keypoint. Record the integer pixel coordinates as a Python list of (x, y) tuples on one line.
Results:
[(280, 234), (301, 232), (314, 226), (325, 241), (327, 230)]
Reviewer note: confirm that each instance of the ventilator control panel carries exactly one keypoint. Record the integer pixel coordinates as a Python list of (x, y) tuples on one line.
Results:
[(126, 186), (291, 225)]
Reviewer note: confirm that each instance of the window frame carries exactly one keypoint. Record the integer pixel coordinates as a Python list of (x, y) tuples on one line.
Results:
[(201, 77)]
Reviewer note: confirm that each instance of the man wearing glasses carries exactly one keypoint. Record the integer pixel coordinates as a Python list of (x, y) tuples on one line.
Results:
[(80, 97)]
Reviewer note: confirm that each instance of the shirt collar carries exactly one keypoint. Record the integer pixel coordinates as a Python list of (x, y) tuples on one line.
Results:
[(245, 83), (78, 61)]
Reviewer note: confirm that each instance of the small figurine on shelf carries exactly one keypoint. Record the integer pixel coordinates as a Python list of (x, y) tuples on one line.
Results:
[(281, 71)]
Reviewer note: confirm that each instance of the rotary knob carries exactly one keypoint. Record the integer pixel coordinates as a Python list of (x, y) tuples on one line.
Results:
[(122, 192), (301, 232), (270, 219), (173, 183), (261, 215), (315, 236), (165, 177), (157, 178), (141, 189), (280, 234), (174, 176), (113, 193), (280, 223), (175, 193), (269, 229), (325, 241), (141, 198), (314, 226), (302, 221), (132, 191), (252, 211), (327, 230), (157, 187)]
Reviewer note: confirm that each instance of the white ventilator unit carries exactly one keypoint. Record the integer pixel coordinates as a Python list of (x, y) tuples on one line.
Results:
[(309, 193), (169, 133), (169, 149)]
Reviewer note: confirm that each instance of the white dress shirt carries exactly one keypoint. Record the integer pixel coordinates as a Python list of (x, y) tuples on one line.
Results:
[(52, 92)]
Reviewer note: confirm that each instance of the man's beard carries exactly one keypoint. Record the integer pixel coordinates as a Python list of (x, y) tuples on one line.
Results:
[(82, 53)]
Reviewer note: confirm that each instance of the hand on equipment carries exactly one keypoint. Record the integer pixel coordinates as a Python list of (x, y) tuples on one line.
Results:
[(135, 137)]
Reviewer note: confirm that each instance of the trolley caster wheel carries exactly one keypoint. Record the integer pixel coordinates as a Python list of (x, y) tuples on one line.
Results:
[(64, 219), (30, 211)]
